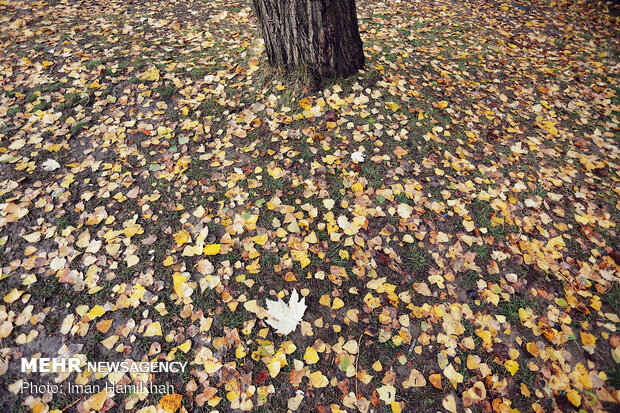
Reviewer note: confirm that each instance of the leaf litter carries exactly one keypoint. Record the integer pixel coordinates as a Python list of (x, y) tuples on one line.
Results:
[(448, 215)]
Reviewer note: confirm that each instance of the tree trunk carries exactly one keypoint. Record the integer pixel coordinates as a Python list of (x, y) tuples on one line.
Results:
[(321, 36)]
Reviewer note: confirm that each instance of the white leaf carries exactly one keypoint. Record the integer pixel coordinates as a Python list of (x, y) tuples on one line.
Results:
[(404, 210), (50, 165), (532, 203), (357, 157), (343, 222), (284, 318)]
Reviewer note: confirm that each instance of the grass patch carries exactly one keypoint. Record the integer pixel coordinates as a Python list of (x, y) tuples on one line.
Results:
[(417, 259), (166, 90), (78, 127), (13, 110)]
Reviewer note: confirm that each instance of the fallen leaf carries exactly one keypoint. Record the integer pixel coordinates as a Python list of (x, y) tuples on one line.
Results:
[(285, 318)]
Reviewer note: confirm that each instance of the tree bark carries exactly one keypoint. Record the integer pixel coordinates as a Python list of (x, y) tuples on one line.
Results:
[(321, 36)]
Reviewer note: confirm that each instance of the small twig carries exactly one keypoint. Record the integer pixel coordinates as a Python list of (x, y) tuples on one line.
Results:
[(72, 404), (413, 343), (357, 358)]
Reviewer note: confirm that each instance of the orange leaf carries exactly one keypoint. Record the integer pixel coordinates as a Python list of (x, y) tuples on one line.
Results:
[(170, 403), (587, 339), (435, 380)]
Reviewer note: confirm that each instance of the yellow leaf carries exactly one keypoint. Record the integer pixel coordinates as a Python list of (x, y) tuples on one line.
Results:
[(582, 219), (556, 243), (372, 302), (38, 406), (587, 339), (214, 401), (109, 342), (13, 295), (449, 403), (485, 335), (311, 238), (150, 75), (181, 237), (305, 103), (132, 230), (377, 366), (170, 403), (387, 393), (469, 225), (337, 303), (179, 285), (5, 329), (95, 402), (185, 346), (550, 333), (96, 311), (154, 329), (478, 392), (452, 375), (325, 300), (240, 352), (83, 240), (104, 326), (199, 212), (588, 164), (318, 380), (260, 239), (211, 249), (132, 260), (364, 377), (351, 347), (168, 261), (532, 349), (512, 366), (442, 104), (393, 106), (289, 347), (191, 250), (574, 397), (113, 249), (524, 390), (274, 366), (473, 361), (311, 356)]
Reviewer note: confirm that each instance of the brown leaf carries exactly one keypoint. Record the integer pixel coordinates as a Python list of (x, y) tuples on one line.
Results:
[(295, 377), (331, 116), (501, 350), (261, 377), (615, 255)]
